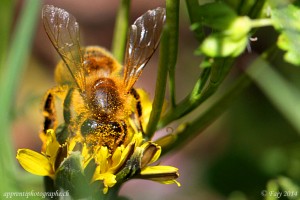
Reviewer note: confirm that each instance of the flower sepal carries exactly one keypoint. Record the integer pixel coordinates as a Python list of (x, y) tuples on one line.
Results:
[(70, 177)]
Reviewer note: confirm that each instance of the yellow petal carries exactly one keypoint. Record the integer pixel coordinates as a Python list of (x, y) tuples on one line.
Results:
[(86, 156), (151, 153), (102, 159), (138, 139), (109, 180), (159, 170), (146, 105), (35, 163), (170, 182), (162, 174), (52, 146), (125, 155), (116, 157)]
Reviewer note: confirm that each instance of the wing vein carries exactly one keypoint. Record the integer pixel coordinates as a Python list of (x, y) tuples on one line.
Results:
[(142, 42)]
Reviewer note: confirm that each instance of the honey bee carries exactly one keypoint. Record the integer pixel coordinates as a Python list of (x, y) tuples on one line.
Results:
[(96, 97)]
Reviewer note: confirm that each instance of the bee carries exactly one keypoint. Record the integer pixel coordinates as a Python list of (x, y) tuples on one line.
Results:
[(96, 97)]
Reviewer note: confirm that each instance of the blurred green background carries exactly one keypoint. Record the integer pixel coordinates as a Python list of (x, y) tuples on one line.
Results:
[(252, 143)]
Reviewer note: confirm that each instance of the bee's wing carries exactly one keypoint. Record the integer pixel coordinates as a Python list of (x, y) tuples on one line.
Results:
[(144, 36), (63, 31)]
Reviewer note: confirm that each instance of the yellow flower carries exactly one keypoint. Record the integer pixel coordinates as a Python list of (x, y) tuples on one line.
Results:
[(43, 163), (132, 159), (161, 174)]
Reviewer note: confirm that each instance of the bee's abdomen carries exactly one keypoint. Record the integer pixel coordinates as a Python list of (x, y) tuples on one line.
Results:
[(105, 98), (110, 134)]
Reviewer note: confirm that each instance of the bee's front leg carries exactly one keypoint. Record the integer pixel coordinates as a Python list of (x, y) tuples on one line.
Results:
[(53, 101), (57, 106), (49, 111)]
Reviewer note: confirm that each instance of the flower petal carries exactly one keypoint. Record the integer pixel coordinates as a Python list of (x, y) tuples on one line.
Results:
[(125, 155), (162, 174), (35, 162), (151, 153), (109, 180), (52, 146), (102, 158), (116, 157), (146, 105)]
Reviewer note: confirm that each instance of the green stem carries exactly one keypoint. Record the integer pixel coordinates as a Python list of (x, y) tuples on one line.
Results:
[(191, 129), (240, 7), (256, 8), (219, 70), (10, 78), (193, 11), (161, 82), (201, 82), (282, 94), (257, 23), (120, 32), (172, 22)]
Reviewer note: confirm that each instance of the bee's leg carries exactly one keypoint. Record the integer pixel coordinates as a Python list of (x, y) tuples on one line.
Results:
[(62, 131), (123, 132), (138, 108), (50, 122), (120, 130), (62, 94), (49, 112), (67, 106)]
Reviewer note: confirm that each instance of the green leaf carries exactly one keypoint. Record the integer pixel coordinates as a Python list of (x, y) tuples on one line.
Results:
[(216, 15), (286, 21), (229, 42)]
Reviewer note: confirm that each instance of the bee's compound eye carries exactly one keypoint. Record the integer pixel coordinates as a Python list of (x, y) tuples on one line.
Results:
[(88, 126)]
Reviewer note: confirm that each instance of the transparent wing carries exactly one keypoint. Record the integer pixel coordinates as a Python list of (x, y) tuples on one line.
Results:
[(144, 36), (63, 31)]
